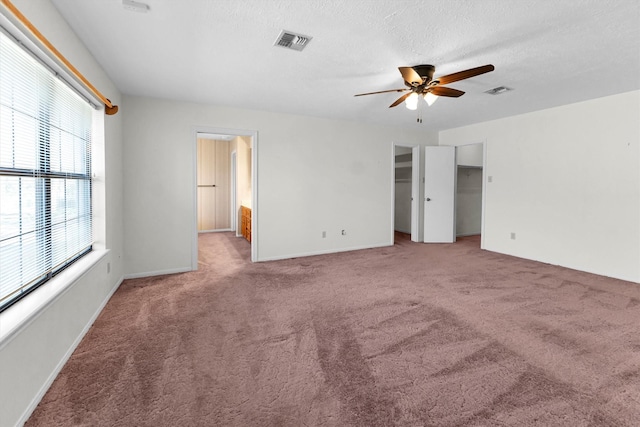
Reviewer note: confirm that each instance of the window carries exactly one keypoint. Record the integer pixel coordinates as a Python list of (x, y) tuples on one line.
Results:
[(45, 173)]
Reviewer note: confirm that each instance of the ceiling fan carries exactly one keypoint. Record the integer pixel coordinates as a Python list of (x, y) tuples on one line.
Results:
[(419, 81)]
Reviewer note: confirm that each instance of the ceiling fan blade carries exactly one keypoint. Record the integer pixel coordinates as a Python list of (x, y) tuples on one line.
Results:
[(382, 91), (410, 76), (401, 99), (461, 75), (446, 91)]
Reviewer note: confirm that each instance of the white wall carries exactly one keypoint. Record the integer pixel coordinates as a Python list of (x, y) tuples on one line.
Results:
[(31, 357), (313, 175), (567, 181), (470, 155)]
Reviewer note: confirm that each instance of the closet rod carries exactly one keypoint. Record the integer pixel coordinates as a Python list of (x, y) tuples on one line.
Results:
[(110, 109)]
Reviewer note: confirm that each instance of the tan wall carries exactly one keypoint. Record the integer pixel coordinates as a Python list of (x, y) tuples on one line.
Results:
[(243, 153), (214, 185)]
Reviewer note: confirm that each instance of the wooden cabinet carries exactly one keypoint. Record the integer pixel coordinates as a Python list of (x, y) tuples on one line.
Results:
[(245, 224)]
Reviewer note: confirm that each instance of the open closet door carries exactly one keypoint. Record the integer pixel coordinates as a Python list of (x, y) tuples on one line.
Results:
[(439, 194)]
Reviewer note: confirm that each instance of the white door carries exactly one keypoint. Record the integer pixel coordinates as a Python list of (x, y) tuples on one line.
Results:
[(439, 194)]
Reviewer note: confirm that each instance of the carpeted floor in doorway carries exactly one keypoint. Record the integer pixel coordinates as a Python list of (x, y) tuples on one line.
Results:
[(409, 335)]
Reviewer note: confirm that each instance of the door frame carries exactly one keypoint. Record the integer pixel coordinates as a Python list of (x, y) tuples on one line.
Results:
[(415, 190), (253, 134)]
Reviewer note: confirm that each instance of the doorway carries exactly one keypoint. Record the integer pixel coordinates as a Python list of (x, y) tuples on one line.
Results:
[(225, 193), (214, 183), (454, 192), (406, 173), (470, 191)]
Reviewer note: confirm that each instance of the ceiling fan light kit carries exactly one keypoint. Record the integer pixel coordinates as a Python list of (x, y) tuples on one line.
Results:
[(412, 101), (430, 99), (421, 84)]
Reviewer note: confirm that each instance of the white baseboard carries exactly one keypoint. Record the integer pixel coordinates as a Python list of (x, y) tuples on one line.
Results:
[(217, 230), (324, 252), (157, 273)]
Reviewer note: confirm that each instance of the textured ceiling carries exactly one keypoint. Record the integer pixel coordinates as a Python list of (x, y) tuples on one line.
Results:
[(221, 52)]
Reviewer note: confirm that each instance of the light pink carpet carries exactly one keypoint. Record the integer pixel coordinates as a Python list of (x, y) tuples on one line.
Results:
[(409, 335)]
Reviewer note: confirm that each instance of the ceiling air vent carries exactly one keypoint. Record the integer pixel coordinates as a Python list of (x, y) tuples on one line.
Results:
[(291, 40), (498, 90)]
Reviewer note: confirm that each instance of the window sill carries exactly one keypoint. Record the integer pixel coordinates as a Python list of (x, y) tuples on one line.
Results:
[(22, 313)]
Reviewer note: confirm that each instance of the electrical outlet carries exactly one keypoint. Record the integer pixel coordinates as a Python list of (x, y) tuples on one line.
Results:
[(490, 178), (513, 236), (324, 234), (344, 233)]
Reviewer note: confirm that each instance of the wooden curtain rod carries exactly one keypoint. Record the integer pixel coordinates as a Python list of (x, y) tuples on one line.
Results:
[(110, 109)]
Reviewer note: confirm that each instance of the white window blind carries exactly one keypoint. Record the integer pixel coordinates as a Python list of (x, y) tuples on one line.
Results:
[(45, 173)]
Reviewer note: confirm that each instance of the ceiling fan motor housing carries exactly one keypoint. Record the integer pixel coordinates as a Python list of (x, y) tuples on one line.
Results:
[(425, 71)]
